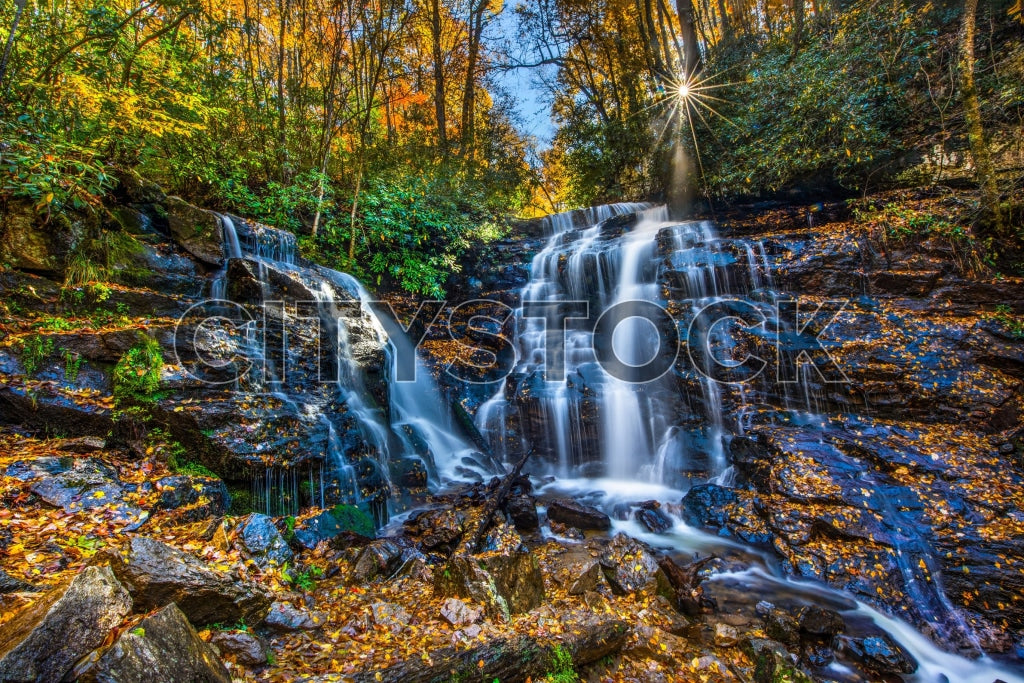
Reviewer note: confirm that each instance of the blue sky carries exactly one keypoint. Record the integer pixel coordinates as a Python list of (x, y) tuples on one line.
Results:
[(533, 112)]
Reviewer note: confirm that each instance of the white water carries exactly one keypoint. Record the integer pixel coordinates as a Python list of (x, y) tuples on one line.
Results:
[(640, 444)]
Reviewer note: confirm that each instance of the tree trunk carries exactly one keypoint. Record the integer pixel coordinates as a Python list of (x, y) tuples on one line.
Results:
[(984, 169), (476, 30), (282, 119), (19, 8), (798, 27), (438, 58), (688, 28), (510, 660)]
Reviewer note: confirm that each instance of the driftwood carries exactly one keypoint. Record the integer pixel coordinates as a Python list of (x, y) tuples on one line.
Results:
[(686, 581), (509, 660), (475, 540)]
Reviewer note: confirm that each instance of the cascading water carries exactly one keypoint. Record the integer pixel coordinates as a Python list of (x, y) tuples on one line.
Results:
[(415, 424), (613, 442), (594, 421)]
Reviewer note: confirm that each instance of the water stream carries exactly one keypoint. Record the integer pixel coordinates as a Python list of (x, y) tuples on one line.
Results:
[(611, 442)]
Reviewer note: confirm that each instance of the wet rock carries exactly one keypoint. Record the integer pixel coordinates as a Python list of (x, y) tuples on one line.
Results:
[(457, 613), (819, 654), (651, 516), (707, 505), (566, 531), (157, 575), (87, 484), (246, 648), (82, 445), (578, 515), (820, 621), (517, 579), (436, 530), (725, 635), (880, 654), (390, 616), (264, 543), (589, 580), (772, 662), (163, 647), (204, 496), (523, 511), (630, 568), (49, 405), (462, 577), (43, 642), (283, 618), (654, 644), (196, 230), (379, 558), (9, 584), (780, 626)]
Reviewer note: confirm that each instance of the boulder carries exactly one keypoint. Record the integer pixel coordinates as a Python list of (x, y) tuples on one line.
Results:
[(157, 575), (820, 621), (462, 577), (283, 618), (379, 558), (653, 518), (196, 230), (27, 242), (523, 511), (245, 647), (578, 515), (439, 529), (780, 626), (630, 568), (517, 579), (589, 580), (880, 654), (390, 616), (43, 642), (163, 647), (457, 613), (725, 635), (264, 543), (204, 496)]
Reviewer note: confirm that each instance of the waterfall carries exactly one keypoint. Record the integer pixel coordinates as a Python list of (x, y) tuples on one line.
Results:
[(415, 424), (629, 255)]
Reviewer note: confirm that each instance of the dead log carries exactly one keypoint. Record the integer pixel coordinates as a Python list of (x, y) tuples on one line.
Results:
[(686, 581), (475, 540), (509, 660)]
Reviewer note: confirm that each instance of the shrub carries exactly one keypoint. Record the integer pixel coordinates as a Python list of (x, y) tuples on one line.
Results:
[(137, 375), (35, 350)]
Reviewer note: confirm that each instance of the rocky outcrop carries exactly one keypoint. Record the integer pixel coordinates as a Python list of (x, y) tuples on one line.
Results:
[(196, 230), (163, 646), (43, 642), (157, 575)]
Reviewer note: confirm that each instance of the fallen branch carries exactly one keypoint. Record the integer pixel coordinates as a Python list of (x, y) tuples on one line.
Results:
[(475, 541)]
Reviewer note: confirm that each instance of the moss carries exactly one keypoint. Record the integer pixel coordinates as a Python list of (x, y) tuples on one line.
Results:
[(351, 518), (242, 502)]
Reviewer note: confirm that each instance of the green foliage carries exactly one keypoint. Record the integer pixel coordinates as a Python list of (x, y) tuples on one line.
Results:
[(304, 581), (136, 377), (352, 518), (34, 351), (72, 365), (903, 224), (562, 669), (1005, 316)]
